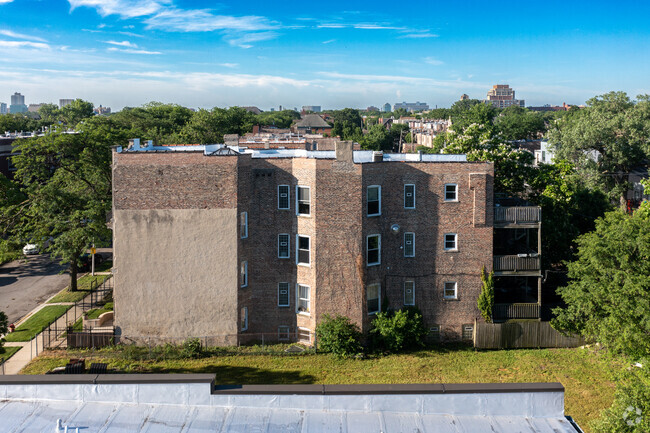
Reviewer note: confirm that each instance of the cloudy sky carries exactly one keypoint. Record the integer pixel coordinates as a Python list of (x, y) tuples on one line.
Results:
[(335, 54)]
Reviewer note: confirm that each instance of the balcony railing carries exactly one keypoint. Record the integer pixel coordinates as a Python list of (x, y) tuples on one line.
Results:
[(515, 311), (516, 263), (517, 214)]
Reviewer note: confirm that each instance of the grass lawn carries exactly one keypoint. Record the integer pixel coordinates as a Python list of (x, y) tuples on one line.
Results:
[(83, 288), (35, 323), (7, 352), (92, 314), (587, 376)]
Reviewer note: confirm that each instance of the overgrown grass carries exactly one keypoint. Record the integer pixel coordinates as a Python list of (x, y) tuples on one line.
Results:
[(587, 376), (9, 256), (7, 352), (34, 325), (83, 288)]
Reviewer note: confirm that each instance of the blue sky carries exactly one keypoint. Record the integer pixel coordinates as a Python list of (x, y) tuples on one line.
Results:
[(335, 54)]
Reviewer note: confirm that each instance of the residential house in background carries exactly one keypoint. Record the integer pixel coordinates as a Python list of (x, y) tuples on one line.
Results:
[(312, 124)]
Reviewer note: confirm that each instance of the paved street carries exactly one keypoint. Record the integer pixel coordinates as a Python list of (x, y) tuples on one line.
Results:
[(26, 283)]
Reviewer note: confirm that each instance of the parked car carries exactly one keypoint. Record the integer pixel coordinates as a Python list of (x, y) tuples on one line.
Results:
[(30, 249)]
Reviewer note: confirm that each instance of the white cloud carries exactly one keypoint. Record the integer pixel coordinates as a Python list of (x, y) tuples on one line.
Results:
[(202, 20), (244, 40), (123, 8), (419, 35), (24, 44), (229, 65), (15, 35), (329, 41), (433, 61), (121, 44), (132, 51), (5, 1), (373, 26)]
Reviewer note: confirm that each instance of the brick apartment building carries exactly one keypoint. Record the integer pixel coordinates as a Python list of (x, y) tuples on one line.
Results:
[(233, 243)]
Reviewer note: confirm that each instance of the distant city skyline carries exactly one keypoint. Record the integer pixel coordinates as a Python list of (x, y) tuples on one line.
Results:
[(200, 54)]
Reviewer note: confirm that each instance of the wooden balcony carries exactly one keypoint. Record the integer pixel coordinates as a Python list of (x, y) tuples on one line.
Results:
[(517, 264), (517, 215), (502, 312)]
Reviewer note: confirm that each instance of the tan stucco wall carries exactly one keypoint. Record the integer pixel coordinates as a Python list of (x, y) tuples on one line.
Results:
[(175, 273)]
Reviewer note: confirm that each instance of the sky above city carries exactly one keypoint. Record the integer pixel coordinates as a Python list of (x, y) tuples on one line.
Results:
[(335, 54)]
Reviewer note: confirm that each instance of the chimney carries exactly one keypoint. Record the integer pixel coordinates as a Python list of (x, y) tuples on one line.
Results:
[(344, 151), (377, 156)]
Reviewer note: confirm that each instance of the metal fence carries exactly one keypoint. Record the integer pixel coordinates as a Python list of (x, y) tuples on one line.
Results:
[(54, 335)]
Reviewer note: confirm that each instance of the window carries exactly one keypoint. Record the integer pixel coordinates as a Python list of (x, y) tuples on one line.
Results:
[(468, 332), (283, 197), (302, 253), (283, 294), (451, 192), (409, 244), (303, 200), (283, 246), (374, 200), (373, 249), (243, 225), (434, 331), (243, 274), (284, 333), (409, 292), (244, 318), (303, 299), (304, 335), (409, 196), (451, 290), (372, 298), (451, 241)]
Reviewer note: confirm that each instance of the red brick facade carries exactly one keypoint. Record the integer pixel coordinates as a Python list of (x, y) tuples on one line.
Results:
[(338, 226)]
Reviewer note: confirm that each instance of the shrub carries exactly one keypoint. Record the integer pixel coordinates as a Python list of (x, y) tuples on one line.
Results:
[(4, 322), (339, 336), (486, 297), (191, 348), (398, 330)]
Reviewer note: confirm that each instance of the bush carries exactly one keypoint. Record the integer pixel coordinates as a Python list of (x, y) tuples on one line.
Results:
[(630, 411), (339, 336), (191, 348), (398, 330), (4, 322)]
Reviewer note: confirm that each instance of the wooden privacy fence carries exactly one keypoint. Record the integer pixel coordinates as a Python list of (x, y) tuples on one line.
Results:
[(521, 335)]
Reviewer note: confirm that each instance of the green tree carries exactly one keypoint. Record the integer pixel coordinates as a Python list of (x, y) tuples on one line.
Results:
[(75, 112), (17, 122), (398, 330), (517, 123), (377, 138), (155, 121), (49, 114), (279, 119), (471, 111), (208, 127), (608, 297), (347, 124), (67, 181), (605, 141), (486, 297)]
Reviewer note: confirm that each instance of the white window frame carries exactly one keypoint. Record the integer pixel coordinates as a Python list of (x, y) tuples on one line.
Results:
[(455, 248), (288, 304), (412, 283), (243, 225), (378, 298), (243, 274), (298, 250), (244, 319), (412, 242), (444, 290), (378, 236), (378, 200), (298, 200), (288, 236), (298, 335), (455, 185), (282, 331), (298, 299), (288, 197), (405, 187)]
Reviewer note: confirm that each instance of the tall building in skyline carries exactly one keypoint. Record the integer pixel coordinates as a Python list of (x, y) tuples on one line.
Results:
[(502, 96), (312, 108), (3, 108), (411, 106), (387, 108), (64, 102), (17, 104)]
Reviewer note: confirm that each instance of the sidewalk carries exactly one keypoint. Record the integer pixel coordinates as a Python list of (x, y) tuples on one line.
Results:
[(31, 349)]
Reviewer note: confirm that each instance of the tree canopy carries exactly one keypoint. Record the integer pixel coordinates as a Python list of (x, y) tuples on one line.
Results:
[(608, 297)]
